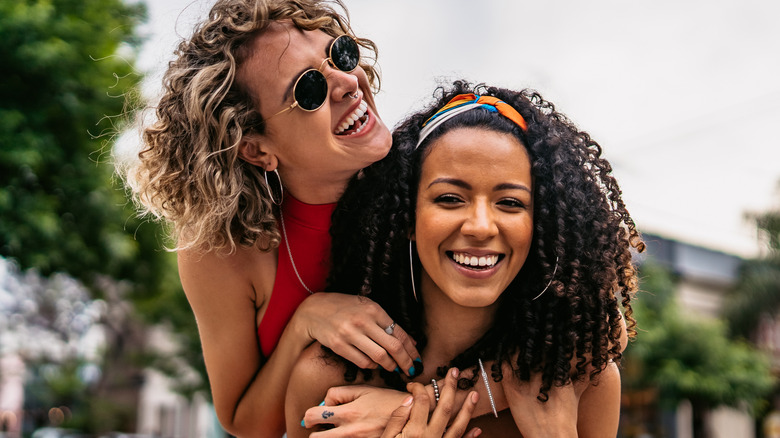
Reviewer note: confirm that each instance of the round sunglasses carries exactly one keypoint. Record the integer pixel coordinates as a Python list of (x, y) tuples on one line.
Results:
[(311, 87)]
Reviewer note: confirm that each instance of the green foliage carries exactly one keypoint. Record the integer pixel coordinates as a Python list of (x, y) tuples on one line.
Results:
[(688, 357), (67, 72), (67, 67), (758, 286)]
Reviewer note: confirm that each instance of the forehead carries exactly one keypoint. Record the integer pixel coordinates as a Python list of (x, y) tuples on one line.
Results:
[(282, 42), (278, 54), (477, 151)]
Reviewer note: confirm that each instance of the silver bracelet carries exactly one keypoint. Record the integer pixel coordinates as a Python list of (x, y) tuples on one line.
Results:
[(487, 387), (435, 390)]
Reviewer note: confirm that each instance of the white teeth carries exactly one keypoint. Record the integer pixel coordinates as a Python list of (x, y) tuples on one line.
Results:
[(484, 261), (350, 120)]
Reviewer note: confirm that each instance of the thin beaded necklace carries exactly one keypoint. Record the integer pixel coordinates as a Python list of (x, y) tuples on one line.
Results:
[(289, 252)]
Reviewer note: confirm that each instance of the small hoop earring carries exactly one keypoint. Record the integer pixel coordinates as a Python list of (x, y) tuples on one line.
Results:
[(548, 283), (411, 271), (270, 192)]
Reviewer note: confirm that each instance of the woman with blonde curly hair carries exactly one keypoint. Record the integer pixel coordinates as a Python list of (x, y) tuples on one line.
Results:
[(267, 112)]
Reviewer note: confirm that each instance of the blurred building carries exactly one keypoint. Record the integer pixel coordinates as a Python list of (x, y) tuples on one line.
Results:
[(11, 395), (162, 411), (704, 277)]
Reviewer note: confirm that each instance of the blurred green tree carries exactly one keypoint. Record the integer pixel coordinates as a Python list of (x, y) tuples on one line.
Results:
[(688, 357), (757, 292), (67, 69), (67, 74)]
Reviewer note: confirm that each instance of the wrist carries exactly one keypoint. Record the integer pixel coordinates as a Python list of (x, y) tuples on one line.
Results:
[(299, 325)]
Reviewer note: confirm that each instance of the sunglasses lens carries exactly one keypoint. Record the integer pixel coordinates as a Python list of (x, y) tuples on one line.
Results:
[(345, 53), (311, 90)]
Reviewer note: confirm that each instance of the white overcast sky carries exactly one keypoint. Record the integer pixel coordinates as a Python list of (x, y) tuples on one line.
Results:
[(683, 96)]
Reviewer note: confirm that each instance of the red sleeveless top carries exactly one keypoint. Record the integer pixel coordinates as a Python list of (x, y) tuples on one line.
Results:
[(307, 228)]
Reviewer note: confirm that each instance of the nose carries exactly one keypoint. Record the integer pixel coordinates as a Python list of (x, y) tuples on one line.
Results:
[(342, 85), (480, 223)]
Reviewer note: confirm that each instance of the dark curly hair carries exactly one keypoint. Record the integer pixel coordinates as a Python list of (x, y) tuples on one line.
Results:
[(580, 223)]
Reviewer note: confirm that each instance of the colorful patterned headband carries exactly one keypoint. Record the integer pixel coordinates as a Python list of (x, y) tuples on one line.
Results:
[(465, 102)]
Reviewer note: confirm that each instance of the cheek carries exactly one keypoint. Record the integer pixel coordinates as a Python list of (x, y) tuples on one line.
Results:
[(524, 238)]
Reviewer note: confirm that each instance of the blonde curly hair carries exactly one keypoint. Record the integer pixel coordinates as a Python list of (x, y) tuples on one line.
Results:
[(189, 172)]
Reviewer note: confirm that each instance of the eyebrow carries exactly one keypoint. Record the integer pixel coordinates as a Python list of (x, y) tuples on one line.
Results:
[(452, 181), (289, 90), (463, 184), (291, 86), (511, 186)]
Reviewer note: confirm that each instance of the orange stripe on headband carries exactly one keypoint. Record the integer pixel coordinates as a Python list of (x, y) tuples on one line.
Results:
[(465, 102)]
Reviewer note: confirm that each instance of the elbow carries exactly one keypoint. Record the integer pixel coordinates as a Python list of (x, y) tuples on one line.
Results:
[(250, 426)]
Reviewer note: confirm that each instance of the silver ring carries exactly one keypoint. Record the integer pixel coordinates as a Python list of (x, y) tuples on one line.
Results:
[(389, 329), (353, 95)]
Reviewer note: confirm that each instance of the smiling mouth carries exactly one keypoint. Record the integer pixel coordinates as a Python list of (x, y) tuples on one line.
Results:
[(474, 262), (354, 122)]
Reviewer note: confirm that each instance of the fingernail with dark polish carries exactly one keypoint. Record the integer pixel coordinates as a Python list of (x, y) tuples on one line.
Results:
[(417, 368), (397, 370), (411, 371)]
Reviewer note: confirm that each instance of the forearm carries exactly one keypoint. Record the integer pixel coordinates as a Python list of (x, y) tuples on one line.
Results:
[(260, 410)]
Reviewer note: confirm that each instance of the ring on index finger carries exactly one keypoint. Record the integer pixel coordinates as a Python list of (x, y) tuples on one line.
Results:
[(389, 329)]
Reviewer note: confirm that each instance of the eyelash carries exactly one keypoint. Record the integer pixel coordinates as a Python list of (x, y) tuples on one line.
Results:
[(450, 199), (512, 203), (447, 199)]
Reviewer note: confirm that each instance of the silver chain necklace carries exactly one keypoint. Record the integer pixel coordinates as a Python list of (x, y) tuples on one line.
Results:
[(289, 252)]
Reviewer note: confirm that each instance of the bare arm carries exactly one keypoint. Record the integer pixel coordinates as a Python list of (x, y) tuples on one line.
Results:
[(248, 392), (311, 377), (599, 408)]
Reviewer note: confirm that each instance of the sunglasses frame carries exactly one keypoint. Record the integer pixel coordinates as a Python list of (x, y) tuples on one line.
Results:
[(329, 59)]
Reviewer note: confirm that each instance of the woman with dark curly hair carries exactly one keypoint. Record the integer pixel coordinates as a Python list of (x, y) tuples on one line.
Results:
[(496, 234), (267, 112)]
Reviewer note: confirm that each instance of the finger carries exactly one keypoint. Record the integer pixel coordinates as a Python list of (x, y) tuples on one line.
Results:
[(445, 406), (339, 395), (418, 418), (322, 414), (405, 354), (375, 344), (398, 418), (464, 416), (473, 433), (352, 353), (338, 432)]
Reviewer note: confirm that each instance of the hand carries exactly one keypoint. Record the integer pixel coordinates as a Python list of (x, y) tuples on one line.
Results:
[(410, 420), (354, 328), (355, 411)]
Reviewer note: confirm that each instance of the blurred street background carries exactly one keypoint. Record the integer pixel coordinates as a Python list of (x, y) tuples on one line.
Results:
[(97, 340)]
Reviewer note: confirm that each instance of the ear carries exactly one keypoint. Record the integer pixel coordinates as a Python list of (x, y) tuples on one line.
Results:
[(412, 236), (253, 150)]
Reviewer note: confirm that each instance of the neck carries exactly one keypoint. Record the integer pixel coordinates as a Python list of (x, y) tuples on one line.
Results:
[(314, 187), (449, 327)]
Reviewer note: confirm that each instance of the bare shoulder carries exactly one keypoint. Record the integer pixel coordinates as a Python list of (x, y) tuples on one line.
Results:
[(599, 407), (246, 270), (316, 371)]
